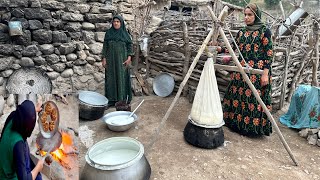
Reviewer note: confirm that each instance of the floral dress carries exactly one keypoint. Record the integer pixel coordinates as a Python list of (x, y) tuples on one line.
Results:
[(242, 112)]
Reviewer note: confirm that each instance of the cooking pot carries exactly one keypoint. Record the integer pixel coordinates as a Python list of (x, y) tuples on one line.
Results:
[(116, 158), (91, 105)]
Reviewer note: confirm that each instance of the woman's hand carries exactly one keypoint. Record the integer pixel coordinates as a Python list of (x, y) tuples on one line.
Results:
[(37, 169), (104, 62), (127, 62), (265, 78)]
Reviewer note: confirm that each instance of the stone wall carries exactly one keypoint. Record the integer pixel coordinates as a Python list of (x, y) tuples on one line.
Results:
[(62, 37)]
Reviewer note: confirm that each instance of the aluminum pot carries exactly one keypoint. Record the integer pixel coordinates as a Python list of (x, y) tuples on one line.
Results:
[(120, 114), (117, 158), (91, 105)]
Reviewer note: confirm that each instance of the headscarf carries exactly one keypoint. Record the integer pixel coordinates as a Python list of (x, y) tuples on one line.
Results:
[(257, 24), (23, 119), (120, 34)]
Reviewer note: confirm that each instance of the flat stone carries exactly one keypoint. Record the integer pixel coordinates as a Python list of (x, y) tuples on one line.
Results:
[(76, 36), (90, 60), (67, 73), (98, 18), (35, 24), (88, 37), (6, 73), (71, 57), (78, 70), (53, 75), (102, 26), (13, 3), (59, 67), (6, 62), (312, 139), (99, 36), (85, 78), (69, 64), (30, 51), (96, 48), (46, 49), (88, 26), (42, 36), (6, 49), (73, 26), (24, 39), (81, 55), (39, 60), (67, 48), (99, 77), (52, 5), (26, 62), (79, 62), (37, 13), (15, 66), (4, 37), (80, 45), (59, 37), (18, 12), (52, 58), (63, 58), (67, 16), (1, 81), (82, 8), (35, 3)]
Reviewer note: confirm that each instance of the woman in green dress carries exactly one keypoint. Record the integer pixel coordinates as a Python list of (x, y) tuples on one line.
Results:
[(116, 58), (242, 112)]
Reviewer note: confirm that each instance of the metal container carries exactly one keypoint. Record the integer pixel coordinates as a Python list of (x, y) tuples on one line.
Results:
[(292, 21), (116, 158), (91, 105), (119, 114), (163, 84)]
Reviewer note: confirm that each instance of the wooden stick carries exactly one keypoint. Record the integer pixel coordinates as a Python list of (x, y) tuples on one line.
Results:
[(235, 68), (192, 66), (315, 62), (254, 90), (187, 54)]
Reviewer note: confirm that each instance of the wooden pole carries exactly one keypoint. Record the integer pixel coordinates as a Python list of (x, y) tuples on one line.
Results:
[(235, 68), (254, 90), (192, 66), (187, 54), (315, 62)]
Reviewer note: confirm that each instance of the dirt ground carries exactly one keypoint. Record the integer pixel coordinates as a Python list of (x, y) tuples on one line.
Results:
[(239, 158)]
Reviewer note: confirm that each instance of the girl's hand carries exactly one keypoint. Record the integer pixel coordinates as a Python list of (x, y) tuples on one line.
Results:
[(127, 62), (104, 62)]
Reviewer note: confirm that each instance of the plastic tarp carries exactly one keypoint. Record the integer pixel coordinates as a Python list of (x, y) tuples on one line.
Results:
[(206, 108), (304, 109)]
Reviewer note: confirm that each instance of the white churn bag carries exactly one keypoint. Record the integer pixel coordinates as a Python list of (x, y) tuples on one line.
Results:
[(206, 108)]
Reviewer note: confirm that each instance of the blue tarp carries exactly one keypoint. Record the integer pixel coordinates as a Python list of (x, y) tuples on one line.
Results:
[(304, 109)]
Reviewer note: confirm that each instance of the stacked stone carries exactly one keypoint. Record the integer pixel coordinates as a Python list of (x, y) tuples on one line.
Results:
[(62, 37), (312, 135)]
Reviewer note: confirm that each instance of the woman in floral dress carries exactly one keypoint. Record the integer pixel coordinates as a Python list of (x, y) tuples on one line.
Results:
[(242, 112)]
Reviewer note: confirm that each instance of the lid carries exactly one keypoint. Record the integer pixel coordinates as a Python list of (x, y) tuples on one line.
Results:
[(163, 84)]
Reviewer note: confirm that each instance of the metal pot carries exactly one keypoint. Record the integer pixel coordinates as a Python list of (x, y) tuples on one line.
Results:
[(91, 105), (121, 114), (116, 158)]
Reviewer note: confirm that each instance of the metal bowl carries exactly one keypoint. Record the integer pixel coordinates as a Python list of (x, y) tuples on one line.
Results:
[(119, 115), (91, 105), (163, 84), (48, 134)]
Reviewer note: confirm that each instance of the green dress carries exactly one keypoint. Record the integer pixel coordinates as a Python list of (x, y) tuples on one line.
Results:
[(242, 112), (117, 47)]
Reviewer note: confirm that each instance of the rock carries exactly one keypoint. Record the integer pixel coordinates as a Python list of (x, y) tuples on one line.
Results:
[(82, 55), (69, 64), (128, 17), (46, 49), (6, 73), (6, 49), (59, 37), (52, 5), (99, 77), (72, 57), (99, 36), (30, 51), (56, 24), (39, 60), (24, 22), (13, 3), (6, 62), (90, 60), (88, 37), (88, 26), (4, 37), (73, 27), (85, 78), (35, 3), (18, 12), (10, 100), (4, 28), (96, 48), (26, 62), (82, 8), (25, 39), (15, 66), (53, 75), (319, 134), (80, 45), (98, 18), (79, 62), (68, 16), (1, 81), (312, 139), (63, 58), (52, 59), (2, 103), (76, 36), (313, 131), (37, 13), (78, 70), (103, 9), (59, 67), (67, 73), (67, 48), (42, 36), (102, 26), (35, 24), (89, 69)]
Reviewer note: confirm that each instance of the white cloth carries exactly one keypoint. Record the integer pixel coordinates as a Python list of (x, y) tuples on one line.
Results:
[(206, 108)]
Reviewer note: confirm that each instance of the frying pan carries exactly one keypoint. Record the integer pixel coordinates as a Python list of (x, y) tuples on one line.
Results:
[(49, 145), (48, 134)]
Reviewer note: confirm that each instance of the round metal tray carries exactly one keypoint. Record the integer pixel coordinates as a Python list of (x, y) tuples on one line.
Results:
[(48, 134), (163, 84)]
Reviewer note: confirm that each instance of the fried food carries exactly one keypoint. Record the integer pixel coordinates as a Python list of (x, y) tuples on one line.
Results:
[(43, 117), (48, 108), (45, 126), (51, 125), (54, 114)]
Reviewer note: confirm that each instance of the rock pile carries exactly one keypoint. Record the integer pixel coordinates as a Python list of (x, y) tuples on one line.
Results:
[(312, 135)]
